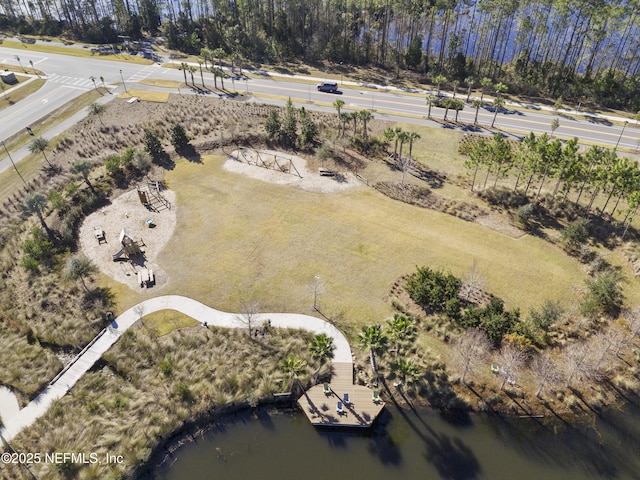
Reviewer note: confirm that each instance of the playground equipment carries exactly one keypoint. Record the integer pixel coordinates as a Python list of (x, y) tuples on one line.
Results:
[(150, 195), (130, 248), (266, 159)]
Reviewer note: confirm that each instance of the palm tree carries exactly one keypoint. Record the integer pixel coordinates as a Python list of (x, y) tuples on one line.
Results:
[(430, 101), (77, 268), (191, 72), (201, 76), (407, 370), (39, 144), (470, 81), (457, 105), (214, 70), (401, 328), (354, 116), (372, 338), (403, 137), (36, 203), (484, 84), (455, 84), (206, 54), (500, 88), (497, 105), (389, 134), (440, 79), (476, 104), (222, 76), (344, 118), (412, 136), (293, 366), (219, 53), (555, 123), (338, 104), (446, 103), (82, 168), (184, 67), (365, 116), (97, 109), (321, 348)]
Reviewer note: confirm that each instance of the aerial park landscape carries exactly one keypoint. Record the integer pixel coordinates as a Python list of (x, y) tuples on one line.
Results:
[(440, 217)]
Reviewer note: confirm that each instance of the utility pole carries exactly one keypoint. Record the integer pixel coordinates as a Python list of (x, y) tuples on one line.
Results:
[(14, 165), (123, 84), (620, 137)]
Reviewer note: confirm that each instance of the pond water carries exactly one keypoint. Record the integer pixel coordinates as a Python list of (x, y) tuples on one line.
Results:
[(412, 445)]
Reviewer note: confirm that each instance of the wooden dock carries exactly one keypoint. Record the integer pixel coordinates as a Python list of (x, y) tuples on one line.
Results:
[(321, 408)]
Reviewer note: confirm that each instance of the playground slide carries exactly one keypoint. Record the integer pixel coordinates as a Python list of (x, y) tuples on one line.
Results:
[(116, 256)]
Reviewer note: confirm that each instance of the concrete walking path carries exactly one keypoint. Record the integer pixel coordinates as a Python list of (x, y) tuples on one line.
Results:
[(16, 421)]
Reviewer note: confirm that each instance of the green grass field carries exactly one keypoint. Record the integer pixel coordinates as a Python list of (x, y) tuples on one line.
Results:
[(238, 238)]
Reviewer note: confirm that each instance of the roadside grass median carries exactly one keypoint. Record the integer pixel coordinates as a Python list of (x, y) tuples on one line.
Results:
[(75, 52)]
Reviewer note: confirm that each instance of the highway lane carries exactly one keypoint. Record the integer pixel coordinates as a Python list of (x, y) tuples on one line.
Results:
[(70, 76)]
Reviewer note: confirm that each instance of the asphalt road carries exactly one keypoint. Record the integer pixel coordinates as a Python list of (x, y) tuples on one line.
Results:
[(68, 77)]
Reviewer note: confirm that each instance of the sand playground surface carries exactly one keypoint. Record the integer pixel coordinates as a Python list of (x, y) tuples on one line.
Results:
[(129, 213)]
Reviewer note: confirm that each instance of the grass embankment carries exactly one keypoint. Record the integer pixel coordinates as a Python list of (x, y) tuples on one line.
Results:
[(75, 52), (29, 167), (161, 82), (146, 95), (24, 90), (145, 388)]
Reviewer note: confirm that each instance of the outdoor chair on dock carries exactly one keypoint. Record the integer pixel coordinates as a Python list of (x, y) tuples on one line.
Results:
[(326, 389), (375, 396), (339, 408), (346, 399)]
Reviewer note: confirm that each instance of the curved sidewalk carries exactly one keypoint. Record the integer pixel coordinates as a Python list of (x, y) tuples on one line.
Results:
[(14, 423)]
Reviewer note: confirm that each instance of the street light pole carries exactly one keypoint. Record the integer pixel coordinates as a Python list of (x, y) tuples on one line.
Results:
[(14, 165), (620, 137), (123, 84)]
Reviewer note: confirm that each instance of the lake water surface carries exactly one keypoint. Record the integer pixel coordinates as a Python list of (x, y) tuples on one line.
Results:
[(412, 445)]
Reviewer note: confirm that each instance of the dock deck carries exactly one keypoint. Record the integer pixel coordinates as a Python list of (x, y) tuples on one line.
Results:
[(321, 408)]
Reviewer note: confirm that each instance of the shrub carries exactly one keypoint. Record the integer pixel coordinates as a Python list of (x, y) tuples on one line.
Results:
[(38, 250), (435, 290), (548, 313), (524, 215), (112, 165), (273, 125), (152, 143), (179, 137), (575, 234), (604, 295)]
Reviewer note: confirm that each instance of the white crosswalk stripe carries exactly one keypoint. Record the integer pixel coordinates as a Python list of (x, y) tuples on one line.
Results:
[(72, 82), (142, 74)]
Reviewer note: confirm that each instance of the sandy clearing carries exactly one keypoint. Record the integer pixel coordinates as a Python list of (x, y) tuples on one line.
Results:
[(126, 211), (252, 164)]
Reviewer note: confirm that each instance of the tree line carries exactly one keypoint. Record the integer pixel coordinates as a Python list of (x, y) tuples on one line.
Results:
[(539, 163), (581, 50)]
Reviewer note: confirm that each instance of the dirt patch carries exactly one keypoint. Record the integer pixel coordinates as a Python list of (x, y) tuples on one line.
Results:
[(128, 213), (285, 169)]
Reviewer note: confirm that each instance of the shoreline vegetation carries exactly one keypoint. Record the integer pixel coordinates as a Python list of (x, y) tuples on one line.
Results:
[(409, 324)]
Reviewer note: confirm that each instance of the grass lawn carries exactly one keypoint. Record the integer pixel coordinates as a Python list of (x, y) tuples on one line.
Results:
[(166, 321), (161, 82), (238, 238), (75, 52), (6, 100), (146, 95)]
